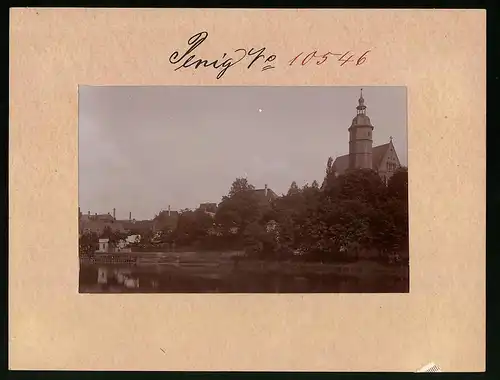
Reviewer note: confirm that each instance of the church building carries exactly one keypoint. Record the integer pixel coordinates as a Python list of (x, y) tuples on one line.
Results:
[(362, 154)]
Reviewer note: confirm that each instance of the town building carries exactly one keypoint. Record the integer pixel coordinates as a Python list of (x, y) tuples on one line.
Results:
[(138, 226), (97, 223), (104, 245), (362, 154)]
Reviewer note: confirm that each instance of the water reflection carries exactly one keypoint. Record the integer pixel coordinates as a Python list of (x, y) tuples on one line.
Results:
[(95, 278)]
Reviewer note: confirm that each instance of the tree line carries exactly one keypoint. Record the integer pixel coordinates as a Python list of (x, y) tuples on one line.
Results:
[(349, 216)]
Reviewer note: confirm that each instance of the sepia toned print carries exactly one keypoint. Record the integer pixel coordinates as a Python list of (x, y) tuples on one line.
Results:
[(243, 190)]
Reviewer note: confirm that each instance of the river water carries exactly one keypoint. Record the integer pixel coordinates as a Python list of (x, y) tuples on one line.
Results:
[(217, 277)]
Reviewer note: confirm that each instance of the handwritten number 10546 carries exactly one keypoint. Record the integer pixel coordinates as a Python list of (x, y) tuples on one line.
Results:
[(343, 58)]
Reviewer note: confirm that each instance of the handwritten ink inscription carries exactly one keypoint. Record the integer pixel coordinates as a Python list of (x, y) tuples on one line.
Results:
[(224, 63), (343, 58), (254, 57)]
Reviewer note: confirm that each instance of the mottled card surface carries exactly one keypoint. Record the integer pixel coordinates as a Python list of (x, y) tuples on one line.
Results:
[(274, 190)]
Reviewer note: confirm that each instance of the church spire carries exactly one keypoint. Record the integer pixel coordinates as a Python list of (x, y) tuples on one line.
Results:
[(360, 138), (361, 104)]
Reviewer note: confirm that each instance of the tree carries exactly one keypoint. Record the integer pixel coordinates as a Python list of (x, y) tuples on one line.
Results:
[(238, 211), (257, 241), (240, 208), (113, 235), (239, 185), (192, 226), (361, 184), (397, 185), (146, 235), (294, 189), (284, 214), (330, 173), (353, 212), (291, 212), (311, 193), (396, 208), (329, 166), (88, 243), (338, 226)]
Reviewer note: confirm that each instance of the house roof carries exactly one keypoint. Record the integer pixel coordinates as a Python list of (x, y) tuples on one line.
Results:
[(261, 193), (164, 220), (137, 224), (104, 217), (101, 224), (165, 214)]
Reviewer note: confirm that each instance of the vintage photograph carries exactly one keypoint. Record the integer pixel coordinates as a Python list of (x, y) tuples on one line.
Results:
[(243, 189)]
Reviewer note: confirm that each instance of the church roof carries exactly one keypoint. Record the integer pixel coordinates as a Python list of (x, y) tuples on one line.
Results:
[(341, 163), (361, 119), (378, 153)]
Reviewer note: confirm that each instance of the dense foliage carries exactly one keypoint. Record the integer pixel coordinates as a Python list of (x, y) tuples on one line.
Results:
[(350, 216)]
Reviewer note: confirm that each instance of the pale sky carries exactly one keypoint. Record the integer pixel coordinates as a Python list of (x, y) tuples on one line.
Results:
[(142, 149)]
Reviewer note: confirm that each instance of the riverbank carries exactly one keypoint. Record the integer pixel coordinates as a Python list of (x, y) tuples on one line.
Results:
[(221, 261), (358, 268), (195, 272)]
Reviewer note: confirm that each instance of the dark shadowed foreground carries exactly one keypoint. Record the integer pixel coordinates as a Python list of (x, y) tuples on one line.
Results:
[(192, 272)]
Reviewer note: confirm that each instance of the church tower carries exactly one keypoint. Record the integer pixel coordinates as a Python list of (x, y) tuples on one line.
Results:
[(360, 138)]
